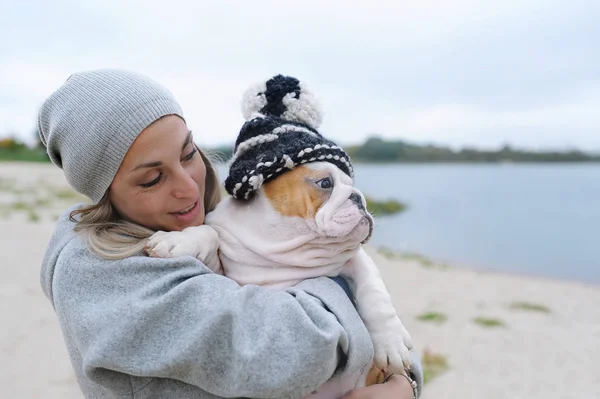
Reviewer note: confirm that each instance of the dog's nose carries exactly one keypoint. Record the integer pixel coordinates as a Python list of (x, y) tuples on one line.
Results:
[(354, 197)]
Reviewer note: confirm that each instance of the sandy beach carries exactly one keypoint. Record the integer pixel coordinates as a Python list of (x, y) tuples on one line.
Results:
[(493, 335)]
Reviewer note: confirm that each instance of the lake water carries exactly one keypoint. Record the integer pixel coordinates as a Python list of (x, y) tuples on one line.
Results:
[(535, 219)]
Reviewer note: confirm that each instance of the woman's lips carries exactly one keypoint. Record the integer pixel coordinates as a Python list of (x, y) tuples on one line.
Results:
[(189, 215)]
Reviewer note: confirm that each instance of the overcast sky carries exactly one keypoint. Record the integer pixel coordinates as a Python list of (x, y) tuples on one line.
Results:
[(461, 72)]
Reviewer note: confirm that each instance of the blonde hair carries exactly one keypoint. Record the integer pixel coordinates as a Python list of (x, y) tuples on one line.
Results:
[(112, 237)]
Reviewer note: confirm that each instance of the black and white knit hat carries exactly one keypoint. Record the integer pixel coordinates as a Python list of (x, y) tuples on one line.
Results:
[(280, 133)]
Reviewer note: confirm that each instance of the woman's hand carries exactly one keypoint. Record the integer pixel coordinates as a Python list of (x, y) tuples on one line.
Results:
[(397, 387)]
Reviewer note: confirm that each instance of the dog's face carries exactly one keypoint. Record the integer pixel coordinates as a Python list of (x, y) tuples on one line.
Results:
[(325, 198)]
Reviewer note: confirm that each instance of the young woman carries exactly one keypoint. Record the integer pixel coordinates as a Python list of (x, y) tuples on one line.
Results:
[(144, 327)]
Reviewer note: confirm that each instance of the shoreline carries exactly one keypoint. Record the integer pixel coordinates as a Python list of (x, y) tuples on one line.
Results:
[(436, 263)]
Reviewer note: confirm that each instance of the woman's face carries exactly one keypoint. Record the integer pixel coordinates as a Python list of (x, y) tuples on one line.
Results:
[(160, 183)]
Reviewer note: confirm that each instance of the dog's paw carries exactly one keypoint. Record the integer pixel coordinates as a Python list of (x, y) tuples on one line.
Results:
[(201, 242), (170, 244), (392, 348)]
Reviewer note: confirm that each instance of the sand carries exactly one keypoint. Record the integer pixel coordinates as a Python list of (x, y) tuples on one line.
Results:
[(535, 354)]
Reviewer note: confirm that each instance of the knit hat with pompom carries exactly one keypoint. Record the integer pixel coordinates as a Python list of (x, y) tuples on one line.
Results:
[(280, 133)]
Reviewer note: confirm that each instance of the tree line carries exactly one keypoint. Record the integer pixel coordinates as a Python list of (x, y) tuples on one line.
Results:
[(378, 150), (373, 150)]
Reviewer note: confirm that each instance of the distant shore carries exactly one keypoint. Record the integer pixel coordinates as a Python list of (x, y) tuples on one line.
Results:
[(378, 150), (373, 150)]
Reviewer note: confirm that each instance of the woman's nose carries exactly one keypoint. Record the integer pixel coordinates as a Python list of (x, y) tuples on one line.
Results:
[(185, 186)]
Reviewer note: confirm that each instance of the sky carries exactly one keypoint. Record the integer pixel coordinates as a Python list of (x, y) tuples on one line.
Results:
[(458, 73)]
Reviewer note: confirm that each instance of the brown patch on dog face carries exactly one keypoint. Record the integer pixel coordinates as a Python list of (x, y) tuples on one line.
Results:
[(294, 193)]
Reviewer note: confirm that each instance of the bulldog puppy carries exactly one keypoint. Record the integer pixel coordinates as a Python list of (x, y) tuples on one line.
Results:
[(310, 222), (293, 213)]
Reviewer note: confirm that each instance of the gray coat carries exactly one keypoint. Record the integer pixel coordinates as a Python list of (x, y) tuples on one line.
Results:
[(170, 328)]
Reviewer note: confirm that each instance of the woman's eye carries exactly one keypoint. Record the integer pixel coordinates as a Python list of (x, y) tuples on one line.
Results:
[(325, 183), (153, 182), (189, 156)]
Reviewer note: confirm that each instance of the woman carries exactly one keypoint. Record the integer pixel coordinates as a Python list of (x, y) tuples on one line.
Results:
[(170, 328)]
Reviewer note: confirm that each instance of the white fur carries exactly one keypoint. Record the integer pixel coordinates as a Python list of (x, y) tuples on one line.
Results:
[(377, 311), (201, 242)]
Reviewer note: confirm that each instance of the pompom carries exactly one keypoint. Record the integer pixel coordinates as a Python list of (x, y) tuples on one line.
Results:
[(283, 97), (254, 100)]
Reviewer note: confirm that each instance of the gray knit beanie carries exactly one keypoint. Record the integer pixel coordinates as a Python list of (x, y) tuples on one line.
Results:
[(89, 123)]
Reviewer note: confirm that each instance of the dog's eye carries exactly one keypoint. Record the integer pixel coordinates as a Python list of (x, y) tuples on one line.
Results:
[(325, 183)]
